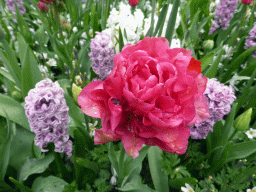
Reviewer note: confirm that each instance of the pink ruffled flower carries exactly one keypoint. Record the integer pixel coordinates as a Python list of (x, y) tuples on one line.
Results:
[(151, 97)]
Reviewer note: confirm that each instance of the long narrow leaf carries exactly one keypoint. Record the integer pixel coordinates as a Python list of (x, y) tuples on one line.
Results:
[(160, 180)]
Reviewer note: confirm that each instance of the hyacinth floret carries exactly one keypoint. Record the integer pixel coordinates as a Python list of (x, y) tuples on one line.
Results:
[(11, 5), (223, 13), (219, 98), (102, 54), (48, 117), (250, 40)]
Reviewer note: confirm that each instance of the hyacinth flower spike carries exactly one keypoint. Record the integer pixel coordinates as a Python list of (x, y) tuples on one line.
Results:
[(48, 117)]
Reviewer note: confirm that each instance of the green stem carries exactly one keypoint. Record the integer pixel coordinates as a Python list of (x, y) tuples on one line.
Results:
[(20, 185), (231, 137)]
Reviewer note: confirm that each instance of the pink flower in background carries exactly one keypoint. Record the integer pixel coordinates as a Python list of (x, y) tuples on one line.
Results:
[(151, 96), (133, 2), (43, 7), (247, 2), (47, 1)]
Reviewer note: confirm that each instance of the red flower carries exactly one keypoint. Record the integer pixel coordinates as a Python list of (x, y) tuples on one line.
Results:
[(151, 96), (43, 7), (247, 2), (47, 1), (133, 2)]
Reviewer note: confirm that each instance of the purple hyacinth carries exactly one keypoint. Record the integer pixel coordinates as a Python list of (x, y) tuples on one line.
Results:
[(48, 117), (11, 5), (219, 98), (223, 13), (251, 40), (102, 55)]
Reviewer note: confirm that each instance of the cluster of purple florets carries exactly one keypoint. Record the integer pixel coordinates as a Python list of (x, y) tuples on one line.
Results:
[(219, 99), (102, 55), (11, 5), (251, 40), (223, 13), (48, 117)]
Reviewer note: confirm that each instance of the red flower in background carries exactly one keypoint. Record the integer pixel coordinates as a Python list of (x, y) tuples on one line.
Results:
[(247, 2), (151, 96), (43, 7), (133, 2), (47, 1)]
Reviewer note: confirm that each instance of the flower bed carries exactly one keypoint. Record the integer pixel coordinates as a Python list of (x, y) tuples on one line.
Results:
[(127, 95)]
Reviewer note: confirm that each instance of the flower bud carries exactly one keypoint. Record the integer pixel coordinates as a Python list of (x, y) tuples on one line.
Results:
[(246, 2), (242, 121), (133, 2), (43, 7), (76, 91), (16, 95), (66, 26), (208, 45), (78, 80)]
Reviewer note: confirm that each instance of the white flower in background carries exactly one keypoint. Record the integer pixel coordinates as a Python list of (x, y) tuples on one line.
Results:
[(251, 190), (56, 56), (45, 55), (37, 54), (147, 6), (175, 43), (75, 29), (84, 35), (188, 188), (36, 42), (5, 89), (113, 178), (45, 72), (92, 128), (213, 5), (32, 30), (228, 50), (251, 133), (51, 63), (81, 42), (125, 20), (68, 18), (16, 45)]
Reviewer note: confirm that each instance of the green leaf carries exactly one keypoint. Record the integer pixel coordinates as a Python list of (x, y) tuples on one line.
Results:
[(94, 18), (206, 60), (79, 144), (161, 19), (241, 150), (31, 74), (50, 183), (33, 166), (172, 21), (88, 164), (112, 156), (5, 187), (24, 28), (242, 97), (237, 63), (160, 180), (136, 185), (72, 9), (21, 147), (121, 41), (15, 111), (9, 59), (178, 183), (130, 164), (211, 72), (7, 75), (74, 110), (20, 185), (221, 161), (5, 148), (41, 36)]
